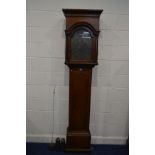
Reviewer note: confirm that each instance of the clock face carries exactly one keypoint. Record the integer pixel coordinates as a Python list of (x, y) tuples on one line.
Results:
[(81, 45)]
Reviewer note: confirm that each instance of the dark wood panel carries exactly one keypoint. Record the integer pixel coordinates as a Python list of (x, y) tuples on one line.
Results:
[(78, 141), (79, 98), (73, 20)]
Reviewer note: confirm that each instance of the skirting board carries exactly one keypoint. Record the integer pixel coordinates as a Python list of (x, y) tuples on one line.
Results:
[(94, 139)]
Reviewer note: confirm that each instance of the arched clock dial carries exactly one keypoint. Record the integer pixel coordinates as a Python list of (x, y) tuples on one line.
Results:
[(81, 45)]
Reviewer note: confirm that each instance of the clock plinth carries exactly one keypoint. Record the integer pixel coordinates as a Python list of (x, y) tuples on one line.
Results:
[(78, 141), (82, 30)]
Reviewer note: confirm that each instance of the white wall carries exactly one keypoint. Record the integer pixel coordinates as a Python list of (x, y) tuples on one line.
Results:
[(46, 70)]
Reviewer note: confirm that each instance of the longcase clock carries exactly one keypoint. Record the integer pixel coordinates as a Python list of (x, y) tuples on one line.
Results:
[(82, 30)]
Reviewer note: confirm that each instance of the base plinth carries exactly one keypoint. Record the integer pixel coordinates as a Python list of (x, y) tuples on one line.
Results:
[(78, 141)]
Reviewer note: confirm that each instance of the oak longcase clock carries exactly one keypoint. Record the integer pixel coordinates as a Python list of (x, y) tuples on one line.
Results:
[(82, 30)]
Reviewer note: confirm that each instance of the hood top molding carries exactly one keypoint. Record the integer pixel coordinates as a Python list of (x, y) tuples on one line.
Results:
[(82, 12)]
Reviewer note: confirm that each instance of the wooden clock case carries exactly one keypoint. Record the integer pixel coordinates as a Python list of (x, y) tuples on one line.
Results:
[(86, 23)]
